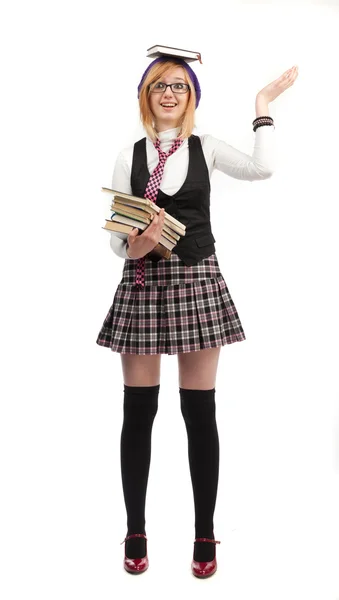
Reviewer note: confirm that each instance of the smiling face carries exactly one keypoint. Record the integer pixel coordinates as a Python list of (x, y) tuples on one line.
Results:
[(168, 118)]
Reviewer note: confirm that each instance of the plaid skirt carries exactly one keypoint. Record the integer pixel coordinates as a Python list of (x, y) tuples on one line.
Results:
[(180, 309)]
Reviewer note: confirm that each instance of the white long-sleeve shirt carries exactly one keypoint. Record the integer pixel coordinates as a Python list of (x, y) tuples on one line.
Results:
[(218, 155)]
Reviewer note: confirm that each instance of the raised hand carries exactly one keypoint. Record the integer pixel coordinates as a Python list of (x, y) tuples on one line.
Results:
[(271, 91)]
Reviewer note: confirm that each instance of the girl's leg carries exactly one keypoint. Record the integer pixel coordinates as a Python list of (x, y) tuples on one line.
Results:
[(197, 375), (140, 407)]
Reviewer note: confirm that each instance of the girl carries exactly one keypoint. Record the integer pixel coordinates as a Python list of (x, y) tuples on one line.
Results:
[(178, 306)]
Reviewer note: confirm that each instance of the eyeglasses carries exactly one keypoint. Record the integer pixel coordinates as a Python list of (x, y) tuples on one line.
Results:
[(176, 88)]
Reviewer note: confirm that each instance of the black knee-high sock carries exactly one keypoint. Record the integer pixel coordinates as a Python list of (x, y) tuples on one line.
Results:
[(140, 408), (198, 410)]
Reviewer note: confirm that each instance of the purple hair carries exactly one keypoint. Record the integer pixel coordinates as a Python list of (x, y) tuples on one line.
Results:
[(182, 63)]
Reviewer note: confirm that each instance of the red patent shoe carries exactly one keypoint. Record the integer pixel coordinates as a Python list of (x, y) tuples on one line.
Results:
[(136, 565), (204, 569)]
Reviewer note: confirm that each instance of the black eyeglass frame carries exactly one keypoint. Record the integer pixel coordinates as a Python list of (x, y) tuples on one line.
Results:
[(187, 89)]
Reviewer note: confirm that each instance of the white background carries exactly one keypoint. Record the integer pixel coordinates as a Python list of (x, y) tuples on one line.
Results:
[(69, 75)]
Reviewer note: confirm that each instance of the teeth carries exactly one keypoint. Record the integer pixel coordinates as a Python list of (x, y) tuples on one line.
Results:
[(168, 105)]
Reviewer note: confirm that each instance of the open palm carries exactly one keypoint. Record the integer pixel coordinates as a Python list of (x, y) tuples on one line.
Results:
[(278, 86)]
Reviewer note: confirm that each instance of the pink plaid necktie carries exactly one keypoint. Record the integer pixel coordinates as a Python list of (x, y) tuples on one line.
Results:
[(151, 193)]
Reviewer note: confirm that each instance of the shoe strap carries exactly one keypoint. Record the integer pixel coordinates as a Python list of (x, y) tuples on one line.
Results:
[(206, 540), (134, 535)]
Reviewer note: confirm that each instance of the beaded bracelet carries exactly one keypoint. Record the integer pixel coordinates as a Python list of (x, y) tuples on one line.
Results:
[(260, 121)]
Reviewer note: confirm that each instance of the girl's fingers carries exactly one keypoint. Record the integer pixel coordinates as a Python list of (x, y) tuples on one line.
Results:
[(291, 73), (291, 70), (158, 216)]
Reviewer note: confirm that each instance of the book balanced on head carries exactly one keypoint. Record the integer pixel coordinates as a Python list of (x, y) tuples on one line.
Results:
[(132, 211), (187, 55)]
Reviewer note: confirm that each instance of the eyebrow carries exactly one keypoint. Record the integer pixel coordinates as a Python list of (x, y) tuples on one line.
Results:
[(179, 78)]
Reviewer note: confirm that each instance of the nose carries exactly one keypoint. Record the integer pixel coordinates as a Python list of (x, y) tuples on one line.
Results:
[(166, 90)]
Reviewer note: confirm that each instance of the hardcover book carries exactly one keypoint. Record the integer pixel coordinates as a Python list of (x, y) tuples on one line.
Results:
[(188, 55)]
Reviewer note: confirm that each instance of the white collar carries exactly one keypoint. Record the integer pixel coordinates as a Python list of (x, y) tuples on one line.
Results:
[(168, 134)]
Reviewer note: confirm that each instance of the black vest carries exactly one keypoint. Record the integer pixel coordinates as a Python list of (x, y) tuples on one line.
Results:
[(190, 204)]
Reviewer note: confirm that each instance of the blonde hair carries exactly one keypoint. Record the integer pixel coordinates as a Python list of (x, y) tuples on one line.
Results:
[(186, 123)]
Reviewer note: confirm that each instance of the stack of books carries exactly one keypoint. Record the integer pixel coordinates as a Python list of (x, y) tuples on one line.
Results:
[(132, 211)]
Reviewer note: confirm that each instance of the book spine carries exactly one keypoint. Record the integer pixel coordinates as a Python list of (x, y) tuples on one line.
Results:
[(158, 253)]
